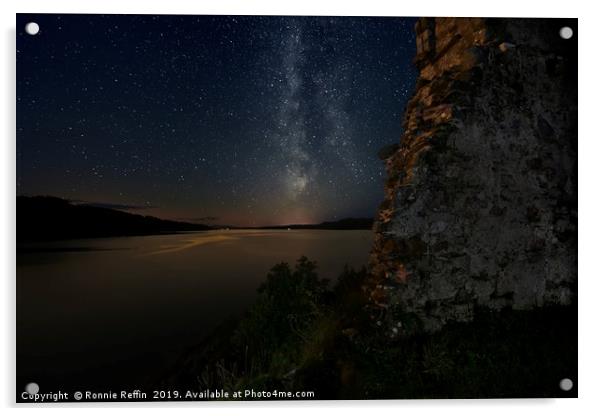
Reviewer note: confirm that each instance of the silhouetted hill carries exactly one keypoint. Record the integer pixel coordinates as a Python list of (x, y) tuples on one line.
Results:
[(344, 224), (50, 218)]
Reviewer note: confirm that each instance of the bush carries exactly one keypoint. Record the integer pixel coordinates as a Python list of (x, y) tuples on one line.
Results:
[(276, 325), (299, 335)]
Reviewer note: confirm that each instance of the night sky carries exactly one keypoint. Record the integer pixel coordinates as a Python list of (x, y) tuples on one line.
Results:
[(241, 120)]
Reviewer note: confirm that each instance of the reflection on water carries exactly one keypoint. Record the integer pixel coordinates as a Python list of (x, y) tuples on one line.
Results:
[(91, 311), (190, 243)]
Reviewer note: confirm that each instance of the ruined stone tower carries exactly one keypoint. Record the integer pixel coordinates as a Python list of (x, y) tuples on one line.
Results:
[(480, 204)]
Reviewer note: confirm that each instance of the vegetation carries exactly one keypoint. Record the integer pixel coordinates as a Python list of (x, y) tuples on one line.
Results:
[(302, 334)]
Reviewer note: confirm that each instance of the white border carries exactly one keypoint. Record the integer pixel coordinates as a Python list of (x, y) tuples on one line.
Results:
[(590, 209)]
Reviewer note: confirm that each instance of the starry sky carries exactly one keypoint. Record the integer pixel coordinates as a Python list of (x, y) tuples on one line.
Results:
[(240, 120)]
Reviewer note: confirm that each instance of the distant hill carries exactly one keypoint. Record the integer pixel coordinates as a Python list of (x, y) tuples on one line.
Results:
[(344, 224), (50, 218)]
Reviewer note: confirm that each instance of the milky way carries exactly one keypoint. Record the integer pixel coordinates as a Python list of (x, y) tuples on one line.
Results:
[(246, 120)]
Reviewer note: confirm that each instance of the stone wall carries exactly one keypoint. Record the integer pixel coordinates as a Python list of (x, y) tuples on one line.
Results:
[(480, 198)]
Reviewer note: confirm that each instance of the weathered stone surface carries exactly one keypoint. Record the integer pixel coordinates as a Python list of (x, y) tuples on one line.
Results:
[(480, 200)]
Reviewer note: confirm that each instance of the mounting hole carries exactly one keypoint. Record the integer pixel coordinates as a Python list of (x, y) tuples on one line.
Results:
[(32, 388), (32, 28), (566, 32), (566, 384)]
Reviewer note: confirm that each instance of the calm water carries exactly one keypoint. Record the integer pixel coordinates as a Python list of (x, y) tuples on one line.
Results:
[(101, 312)]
